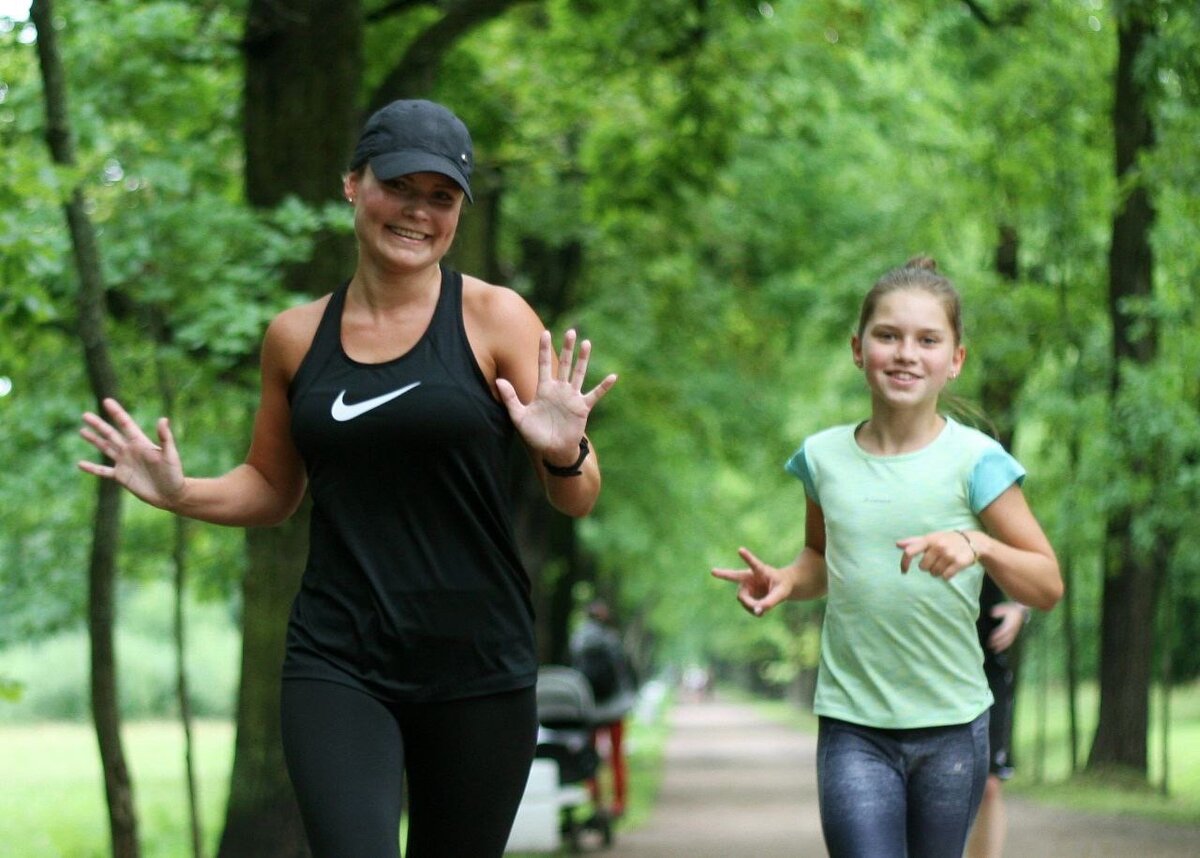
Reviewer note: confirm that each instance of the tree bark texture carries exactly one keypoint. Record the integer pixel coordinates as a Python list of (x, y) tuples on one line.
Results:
[(183, 696), (300, 117), (1132, 577), (106, 527), (1001, 379), (262, 819)]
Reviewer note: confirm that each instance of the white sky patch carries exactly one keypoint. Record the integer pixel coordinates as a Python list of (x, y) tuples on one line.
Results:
[(18, 10)]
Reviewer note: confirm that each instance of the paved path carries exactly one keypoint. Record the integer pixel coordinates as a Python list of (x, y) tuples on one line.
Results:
[(737, 784)]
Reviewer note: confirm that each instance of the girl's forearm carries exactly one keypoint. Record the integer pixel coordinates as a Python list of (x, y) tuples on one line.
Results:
[(809, 579), (1029, 577)]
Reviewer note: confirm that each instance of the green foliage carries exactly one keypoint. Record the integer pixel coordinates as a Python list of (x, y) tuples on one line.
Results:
[(52, 674), (193, 276), (734, 201), (733, 177)]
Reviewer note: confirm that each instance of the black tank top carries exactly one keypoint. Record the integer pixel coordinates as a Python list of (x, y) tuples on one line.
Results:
[(413, 589)]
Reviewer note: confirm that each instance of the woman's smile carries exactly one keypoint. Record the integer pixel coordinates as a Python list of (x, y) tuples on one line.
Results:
[(410, 234)]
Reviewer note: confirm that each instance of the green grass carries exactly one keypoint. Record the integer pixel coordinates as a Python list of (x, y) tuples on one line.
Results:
[(52, 790), (1042, 748)]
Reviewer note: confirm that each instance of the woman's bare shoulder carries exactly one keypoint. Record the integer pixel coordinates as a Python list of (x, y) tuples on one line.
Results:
[(502, 328), (291, 332), (491, 306)]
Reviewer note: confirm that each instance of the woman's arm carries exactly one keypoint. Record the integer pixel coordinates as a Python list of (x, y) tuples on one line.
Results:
[(542, 391), (263, 490)]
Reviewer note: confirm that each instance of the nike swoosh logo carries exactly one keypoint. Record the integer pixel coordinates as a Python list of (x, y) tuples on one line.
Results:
[(341, 412)]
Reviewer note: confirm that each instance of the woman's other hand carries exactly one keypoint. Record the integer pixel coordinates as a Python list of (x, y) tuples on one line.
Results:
[(150, 471)]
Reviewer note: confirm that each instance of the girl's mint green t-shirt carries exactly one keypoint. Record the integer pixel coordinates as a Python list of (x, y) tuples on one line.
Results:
[(900, 650)]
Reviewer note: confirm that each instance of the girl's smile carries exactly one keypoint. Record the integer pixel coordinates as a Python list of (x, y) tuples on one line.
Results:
[(908, 349)]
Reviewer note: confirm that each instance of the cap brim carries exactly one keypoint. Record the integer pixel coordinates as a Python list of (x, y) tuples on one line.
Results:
[(392, 164)]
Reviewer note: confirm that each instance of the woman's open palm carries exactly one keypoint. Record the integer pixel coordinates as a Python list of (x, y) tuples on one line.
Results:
[(150, 471), (556, 417)]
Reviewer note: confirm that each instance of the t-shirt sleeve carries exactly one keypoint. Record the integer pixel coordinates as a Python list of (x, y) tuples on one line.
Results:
[(797, 466), (993, 473)]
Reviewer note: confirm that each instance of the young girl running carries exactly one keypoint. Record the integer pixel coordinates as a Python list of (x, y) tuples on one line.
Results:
[(905, 514)]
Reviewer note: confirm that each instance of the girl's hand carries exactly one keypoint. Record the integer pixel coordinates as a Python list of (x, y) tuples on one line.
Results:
[(1012, 618), (760, 587), (150, 471), (943, 554), (555, 419)]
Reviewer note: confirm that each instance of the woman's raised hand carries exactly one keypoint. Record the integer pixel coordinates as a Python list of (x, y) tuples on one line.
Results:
[(150, 471), (556, 418), (760, 587)]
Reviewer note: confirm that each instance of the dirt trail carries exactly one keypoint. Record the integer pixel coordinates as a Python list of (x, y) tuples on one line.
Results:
[(737, 784)]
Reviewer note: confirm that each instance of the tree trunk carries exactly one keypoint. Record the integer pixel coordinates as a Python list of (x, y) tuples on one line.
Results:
[(179, 562), (1072, 671), (179, 559), (1126, 652), (1166, 680), (300, 119), (1001, 380), (106, 709), (1131, 578), (261, 818), (553, 271), (106, 528), (303, 74)]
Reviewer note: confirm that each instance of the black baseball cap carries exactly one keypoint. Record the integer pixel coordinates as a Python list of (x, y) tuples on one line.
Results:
[(416, 136)]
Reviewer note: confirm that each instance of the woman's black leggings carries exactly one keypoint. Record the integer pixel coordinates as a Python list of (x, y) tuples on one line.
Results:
[(466, 763)]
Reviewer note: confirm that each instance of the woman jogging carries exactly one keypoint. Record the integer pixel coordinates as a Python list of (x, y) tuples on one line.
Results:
[(905, 514), (394, 401)]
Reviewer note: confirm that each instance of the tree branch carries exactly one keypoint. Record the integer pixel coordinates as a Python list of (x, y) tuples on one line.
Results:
[(1013, 16), (980, 14), (395, 7), (415, 73)]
